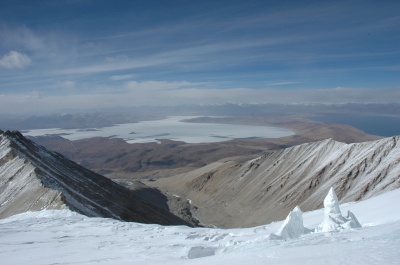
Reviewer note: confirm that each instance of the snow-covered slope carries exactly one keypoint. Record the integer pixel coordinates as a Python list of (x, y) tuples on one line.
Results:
[(233, 194), (33, 178), (63, 237)]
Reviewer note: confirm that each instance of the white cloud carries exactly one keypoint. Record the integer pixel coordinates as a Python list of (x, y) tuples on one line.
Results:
[(21, 37), (282, 83), (148, 86), (66, 84), (14, 59), (163, 93), (117, 59), (121, 77), (33, 95)]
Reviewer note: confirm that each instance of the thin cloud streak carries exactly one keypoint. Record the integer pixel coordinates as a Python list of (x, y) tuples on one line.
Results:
[(180, 56), (282, 83), (121, 77), (178, 93)]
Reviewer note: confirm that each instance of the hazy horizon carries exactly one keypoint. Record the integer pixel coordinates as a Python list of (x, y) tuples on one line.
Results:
[(57, 55)]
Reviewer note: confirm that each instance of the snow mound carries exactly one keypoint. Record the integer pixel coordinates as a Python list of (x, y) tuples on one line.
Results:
[(333, 218), (293, 226), (200, 252)]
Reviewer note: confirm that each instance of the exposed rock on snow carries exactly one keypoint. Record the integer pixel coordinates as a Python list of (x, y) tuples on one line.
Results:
[(293, 226), (333, 219)]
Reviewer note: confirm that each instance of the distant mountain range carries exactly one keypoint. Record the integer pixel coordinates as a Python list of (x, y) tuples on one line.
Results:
[(33, 178), (110, 117)]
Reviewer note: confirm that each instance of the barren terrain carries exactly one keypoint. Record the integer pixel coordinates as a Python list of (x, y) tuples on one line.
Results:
[(173, 162), (116, 159), (229, 193)]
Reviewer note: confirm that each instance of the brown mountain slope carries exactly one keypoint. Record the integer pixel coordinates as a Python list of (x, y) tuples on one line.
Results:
[(265, 189)]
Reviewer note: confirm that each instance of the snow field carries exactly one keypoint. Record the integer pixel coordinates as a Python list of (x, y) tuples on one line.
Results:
[(61, 236)]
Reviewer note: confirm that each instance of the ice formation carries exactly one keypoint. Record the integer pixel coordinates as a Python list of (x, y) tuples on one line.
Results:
[(293, 226), (333, 218)]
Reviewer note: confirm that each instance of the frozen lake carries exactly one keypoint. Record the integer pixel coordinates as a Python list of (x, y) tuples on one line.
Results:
[(172, 128)]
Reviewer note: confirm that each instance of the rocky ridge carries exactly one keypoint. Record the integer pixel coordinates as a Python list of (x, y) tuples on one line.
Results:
[(33, 178)]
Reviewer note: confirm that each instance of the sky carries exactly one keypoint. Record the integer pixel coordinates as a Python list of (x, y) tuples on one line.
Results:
[(100, 53)]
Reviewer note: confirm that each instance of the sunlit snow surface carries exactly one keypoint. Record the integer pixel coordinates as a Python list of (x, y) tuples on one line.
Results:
[(170, 128), (63, 237)]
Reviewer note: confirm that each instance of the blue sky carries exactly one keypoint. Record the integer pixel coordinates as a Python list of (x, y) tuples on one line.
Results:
[(91, 53)]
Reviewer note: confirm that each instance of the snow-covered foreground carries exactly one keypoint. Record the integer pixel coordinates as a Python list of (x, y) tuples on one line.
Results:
[(63, 237)]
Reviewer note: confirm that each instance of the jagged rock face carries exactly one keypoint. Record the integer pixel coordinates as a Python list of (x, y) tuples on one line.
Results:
[(33, 178), (21, 190), (265, 189)]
